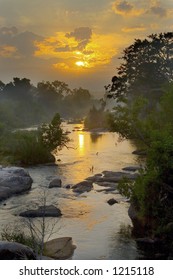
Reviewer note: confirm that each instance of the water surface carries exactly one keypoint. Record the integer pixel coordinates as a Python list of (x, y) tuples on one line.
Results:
[(93, 224)]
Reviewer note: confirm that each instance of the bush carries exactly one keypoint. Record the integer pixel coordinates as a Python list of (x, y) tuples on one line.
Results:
[(13, 233), (25, 147), (34, 147)]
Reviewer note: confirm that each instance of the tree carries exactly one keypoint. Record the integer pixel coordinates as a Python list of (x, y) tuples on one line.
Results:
[(151, 194), (18, 89), (52, 92), (147, 66), (52, 135)]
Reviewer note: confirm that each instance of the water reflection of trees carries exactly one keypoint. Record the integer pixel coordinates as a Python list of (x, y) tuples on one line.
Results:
[(95, 136)]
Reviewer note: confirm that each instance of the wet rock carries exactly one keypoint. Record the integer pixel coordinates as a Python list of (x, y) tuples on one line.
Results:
[(68, 186), (131, 168), (13, 180), (94, 178), (139, 152), (55, 183), (42, 211), (15, 251), (59, 248), (112, 201), (84, 186)]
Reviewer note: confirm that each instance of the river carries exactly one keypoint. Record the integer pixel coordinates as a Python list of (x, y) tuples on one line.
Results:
[(99, 231)]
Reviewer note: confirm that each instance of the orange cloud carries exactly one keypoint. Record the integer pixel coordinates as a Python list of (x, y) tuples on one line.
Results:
[(134, 29), (97, 51), (8, 51)]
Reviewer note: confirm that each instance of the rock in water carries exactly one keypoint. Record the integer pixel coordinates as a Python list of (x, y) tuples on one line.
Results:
[(59, 248), (55, 183), (84, 186), (13, 180), (42, 211), (112, 201), (15, 251)]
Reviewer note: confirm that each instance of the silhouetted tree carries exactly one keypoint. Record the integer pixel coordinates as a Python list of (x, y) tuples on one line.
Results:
[(18, 89), (147, 66)]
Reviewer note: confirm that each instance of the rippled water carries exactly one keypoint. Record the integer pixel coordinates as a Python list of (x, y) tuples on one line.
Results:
[(93, 224)]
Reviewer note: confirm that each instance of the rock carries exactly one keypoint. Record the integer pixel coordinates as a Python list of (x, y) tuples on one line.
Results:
[(15, 251), (42, 211), (59, 248), (84, 186), (139, 152), (112, 201), (55, 183), (94, 178), (115, 177), (68, 186), (131, 168), (13, 180)]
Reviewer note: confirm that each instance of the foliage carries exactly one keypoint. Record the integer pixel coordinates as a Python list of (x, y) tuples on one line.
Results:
[(23, 104), (152, 191), (96, 118), (34, 147), (147, 66), (52, 135), (15, 233), (24, 147)]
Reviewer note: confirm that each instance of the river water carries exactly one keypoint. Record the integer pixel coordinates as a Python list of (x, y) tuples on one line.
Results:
[(99, 231)]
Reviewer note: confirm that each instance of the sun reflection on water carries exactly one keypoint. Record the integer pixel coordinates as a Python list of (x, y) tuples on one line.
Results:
[(81, 144)]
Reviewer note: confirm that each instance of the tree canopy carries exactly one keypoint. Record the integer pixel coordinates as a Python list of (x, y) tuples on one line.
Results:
[(147, 66)]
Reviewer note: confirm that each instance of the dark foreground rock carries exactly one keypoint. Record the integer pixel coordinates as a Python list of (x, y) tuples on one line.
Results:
[(13, 180), (15, 251), (84, 186), (42, 211), (59, 248), (112, 201)]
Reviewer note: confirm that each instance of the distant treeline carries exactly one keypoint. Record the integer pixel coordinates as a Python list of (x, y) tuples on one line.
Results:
[(23, 104)]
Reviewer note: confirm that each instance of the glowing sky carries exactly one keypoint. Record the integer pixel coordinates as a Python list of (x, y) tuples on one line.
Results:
[(75, 41)]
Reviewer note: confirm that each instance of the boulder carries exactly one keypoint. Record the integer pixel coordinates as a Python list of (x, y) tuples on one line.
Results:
[(112, 201), (59, 248), (68, 186), (13, 180), (42, 211), (55, 183), (139, 152), (131, 168), (15, 251), (84, 186)]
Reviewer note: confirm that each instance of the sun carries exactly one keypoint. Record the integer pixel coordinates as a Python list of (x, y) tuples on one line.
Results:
[(80, 63)]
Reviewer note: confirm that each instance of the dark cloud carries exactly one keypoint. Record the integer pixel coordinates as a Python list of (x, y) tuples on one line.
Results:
[(123, 6), (159, 11), (23, 42), (82, 35), (63, 49)]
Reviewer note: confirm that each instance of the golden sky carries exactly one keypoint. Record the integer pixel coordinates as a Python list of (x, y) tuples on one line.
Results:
[(75, 41)]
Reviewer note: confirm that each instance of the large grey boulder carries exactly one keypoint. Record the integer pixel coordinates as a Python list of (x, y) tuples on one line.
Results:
[(59, 248), (42, 211), (84, 186), (13, 180), (15, 251)]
